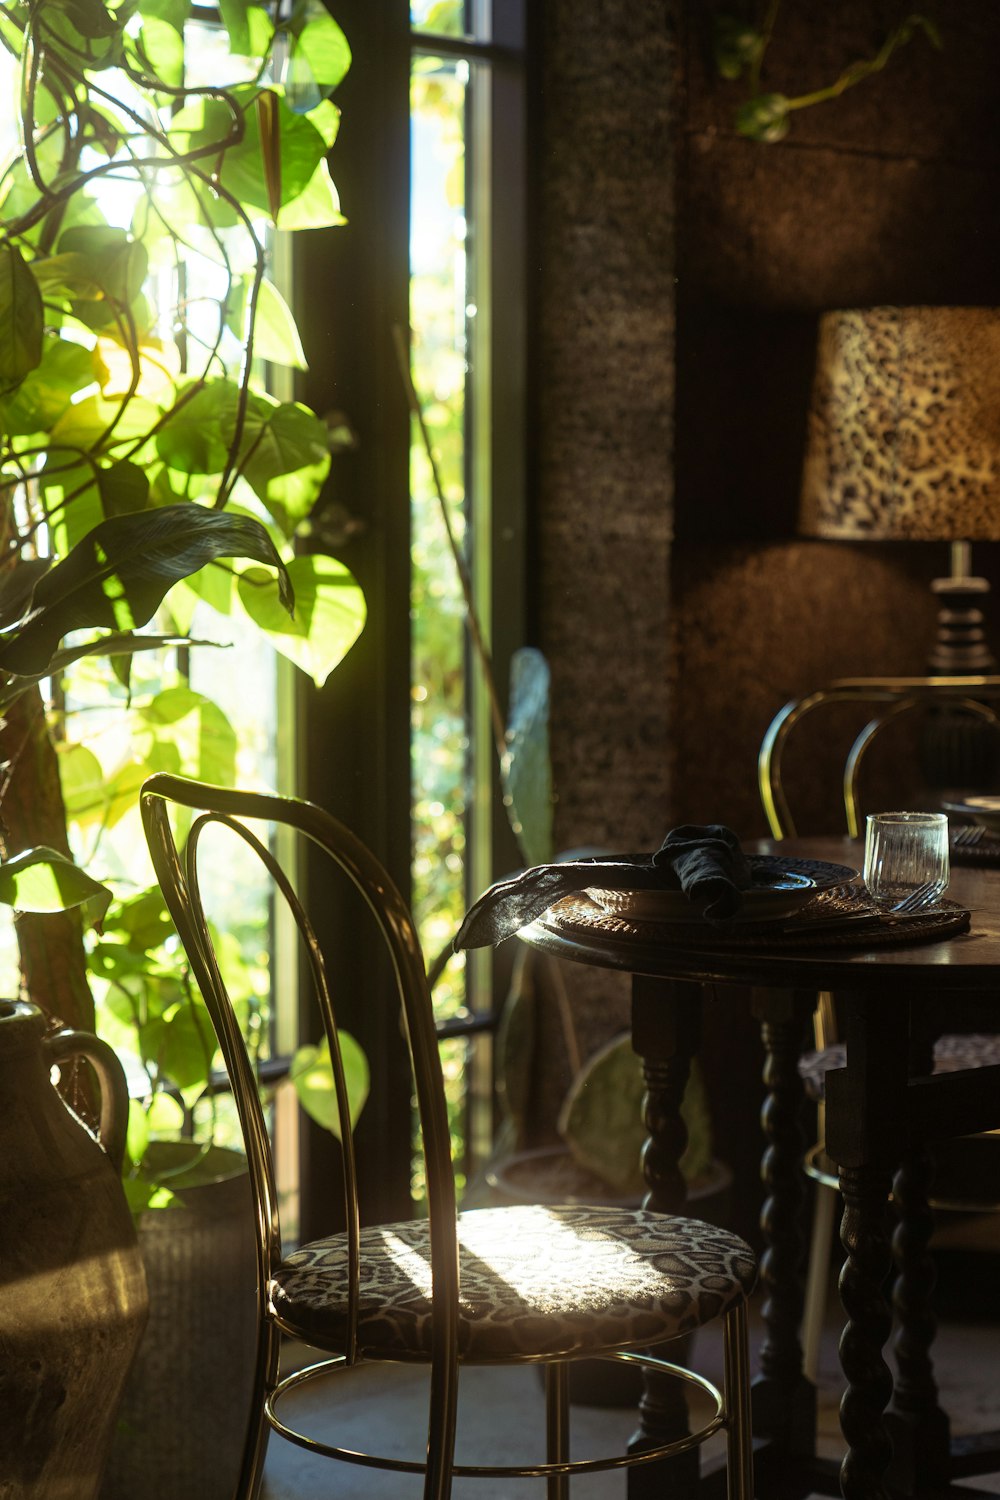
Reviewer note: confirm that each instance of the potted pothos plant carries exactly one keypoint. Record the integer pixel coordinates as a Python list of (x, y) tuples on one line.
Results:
[(149, 479)]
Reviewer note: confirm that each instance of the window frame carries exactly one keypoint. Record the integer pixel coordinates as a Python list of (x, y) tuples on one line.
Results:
[(350, 289)]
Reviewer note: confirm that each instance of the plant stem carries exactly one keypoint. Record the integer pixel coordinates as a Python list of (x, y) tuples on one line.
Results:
[(766, 31), (472, 618), (856, 72), (53, 962)]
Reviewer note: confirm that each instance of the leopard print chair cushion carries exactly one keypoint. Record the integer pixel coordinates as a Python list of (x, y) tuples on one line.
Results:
[(952, 1054), (534, 1281)]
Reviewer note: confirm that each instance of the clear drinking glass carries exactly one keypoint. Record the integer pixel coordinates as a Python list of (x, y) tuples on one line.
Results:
[(904, 850)]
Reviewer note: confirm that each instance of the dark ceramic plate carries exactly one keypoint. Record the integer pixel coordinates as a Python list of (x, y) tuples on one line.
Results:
[(780, 886), (984, 810)]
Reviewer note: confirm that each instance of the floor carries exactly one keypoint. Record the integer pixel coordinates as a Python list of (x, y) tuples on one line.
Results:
[(501, 1410)]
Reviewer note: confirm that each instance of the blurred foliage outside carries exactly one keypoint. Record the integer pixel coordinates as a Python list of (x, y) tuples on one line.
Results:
[(440, 17), (439, 723)]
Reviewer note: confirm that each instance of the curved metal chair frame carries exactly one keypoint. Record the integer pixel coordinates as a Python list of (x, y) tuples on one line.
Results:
[(902, 695), (178, 878)]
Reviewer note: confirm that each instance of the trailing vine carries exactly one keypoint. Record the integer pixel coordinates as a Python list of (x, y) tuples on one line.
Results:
[(146, 470), (740, 47)]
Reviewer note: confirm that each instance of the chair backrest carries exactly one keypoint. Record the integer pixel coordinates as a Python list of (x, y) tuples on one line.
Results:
[(900, 697), (178, 879)]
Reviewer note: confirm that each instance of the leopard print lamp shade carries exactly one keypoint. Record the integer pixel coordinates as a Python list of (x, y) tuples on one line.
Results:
[(904, 428)]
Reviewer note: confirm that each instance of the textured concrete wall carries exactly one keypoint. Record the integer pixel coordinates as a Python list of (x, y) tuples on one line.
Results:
[(604, 463), (682, 406), (605, 401), (885, 195)]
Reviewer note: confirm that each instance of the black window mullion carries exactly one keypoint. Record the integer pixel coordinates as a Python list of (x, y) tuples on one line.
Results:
[(351, 289), (351, 292)]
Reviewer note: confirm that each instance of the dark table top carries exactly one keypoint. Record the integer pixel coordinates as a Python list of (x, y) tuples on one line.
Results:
[(968, 961)]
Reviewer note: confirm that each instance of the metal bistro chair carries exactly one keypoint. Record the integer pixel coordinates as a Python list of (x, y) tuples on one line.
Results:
[(898, 697), (491, 1286)]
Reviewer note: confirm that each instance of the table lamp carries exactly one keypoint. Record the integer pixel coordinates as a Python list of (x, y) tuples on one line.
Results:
[(904, 445)]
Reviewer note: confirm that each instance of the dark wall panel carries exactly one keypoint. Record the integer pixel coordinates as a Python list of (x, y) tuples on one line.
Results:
[(670, 406), (885, 195)]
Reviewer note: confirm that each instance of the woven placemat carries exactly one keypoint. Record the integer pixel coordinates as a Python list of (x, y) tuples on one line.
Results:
[(985, 853), (823, 923)]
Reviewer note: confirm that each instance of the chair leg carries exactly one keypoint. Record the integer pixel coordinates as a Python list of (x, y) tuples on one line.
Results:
[(258, 1427), (739, 1435), (442, 1422), (817, 1278), (557, 1427)]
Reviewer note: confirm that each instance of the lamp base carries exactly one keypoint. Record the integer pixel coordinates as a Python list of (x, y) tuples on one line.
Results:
[(959, 755), (959, 750), (960, 649)]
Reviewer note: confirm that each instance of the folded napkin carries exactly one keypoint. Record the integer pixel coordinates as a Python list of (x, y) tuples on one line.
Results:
[(710, 867), (707, 863)]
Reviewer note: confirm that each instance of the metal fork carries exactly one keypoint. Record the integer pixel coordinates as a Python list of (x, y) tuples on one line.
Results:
[(968, 836), (919, 897)]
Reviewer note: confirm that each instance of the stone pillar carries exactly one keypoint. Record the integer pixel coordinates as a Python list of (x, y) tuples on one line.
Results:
[(602, 525)]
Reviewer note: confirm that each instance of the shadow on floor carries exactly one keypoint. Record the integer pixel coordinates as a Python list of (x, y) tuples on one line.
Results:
[(501, 1413)]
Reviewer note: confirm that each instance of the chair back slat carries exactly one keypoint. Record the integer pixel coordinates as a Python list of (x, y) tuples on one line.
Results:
[(182, 897), (179, 882)]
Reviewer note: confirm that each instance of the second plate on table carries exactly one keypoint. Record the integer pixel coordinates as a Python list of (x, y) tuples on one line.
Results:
[(982, 810), (780, 886)]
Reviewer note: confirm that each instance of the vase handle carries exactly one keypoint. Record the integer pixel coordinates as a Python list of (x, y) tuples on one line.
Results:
[(111, 1078)]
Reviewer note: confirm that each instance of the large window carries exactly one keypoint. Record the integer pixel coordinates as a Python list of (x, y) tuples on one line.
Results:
[(453, 293), (432, 138)]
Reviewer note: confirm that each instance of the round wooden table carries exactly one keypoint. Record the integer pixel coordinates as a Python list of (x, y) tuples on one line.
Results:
[(884, 1109)]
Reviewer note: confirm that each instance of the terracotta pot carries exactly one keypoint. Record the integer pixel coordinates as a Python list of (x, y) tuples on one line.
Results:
[(72, 1291), (186, 1406)]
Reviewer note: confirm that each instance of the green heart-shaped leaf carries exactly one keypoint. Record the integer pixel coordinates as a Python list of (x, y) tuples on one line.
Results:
[(311, 1075), (21, 318), (118, 576), (43, 880), (526, 771), (329, 613)]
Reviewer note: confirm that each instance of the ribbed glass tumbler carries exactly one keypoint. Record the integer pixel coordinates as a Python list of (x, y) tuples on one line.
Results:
[(905, 851)]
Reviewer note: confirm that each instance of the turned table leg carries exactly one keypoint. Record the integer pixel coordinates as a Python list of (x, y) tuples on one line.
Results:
[(866, 1120), (865, 1240), (784, 1401), (920, 1429), (666, 1031)]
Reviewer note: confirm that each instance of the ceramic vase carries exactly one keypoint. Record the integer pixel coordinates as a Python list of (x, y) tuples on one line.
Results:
[(73, 1297)]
